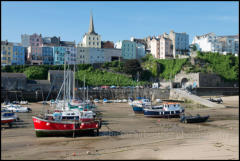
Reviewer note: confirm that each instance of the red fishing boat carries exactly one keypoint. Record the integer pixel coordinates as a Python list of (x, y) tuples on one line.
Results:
[(52, 127), (66, 120)]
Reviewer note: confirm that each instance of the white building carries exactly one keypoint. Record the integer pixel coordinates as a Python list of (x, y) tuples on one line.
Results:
[(155, 47), (207, 43), (82, 55), (118, 45), (91, 39)]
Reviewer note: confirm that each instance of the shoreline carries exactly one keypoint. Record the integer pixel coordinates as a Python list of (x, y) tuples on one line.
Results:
[(125, 135)]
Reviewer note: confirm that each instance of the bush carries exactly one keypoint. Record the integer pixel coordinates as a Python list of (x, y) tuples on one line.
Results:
[(226, 66), (36, 72), (99, 78)]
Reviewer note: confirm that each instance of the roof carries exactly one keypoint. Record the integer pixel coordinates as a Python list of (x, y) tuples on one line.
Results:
[(67, 43), (91, 26), (230, 36), (6, 43), (13, 75)]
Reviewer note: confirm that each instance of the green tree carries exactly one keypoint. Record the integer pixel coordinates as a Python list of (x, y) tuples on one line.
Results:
[(132, 67), (36, 72)]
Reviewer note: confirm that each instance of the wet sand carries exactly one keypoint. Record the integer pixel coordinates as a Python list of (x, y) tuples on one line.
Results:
[(125, 135)]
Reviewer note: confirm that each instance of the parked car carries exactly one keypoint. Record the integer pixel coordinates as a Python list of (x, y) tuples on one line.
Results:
[(113, 87), (96, 88), (105, 87)]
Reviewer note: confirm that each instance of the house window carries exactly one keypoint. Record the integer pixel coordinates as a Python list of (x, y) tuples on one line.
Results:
[(89, 38), (89, 43)]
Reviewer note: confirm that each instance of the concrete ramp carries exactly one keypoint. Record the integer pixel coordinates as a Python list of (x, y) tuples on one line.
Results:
[(181, 95)]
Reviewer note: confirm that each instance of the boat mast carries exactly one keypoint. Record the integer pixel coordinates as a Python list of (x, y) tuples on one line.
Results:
[(69, 78), (87, 93), (84, 89), (64, 96), (74, 81)]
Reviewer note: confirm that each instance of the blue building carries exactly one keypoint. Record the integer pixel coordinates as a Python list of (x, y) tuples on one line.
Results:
[(58, 55), (18, 57), (47, 54), (129, 49)]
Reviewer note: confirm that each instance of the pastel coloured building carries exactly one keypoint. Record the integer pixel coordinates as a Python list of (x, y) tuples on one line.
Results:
[(34, 55), (58, 55), (129, 50), (6, 53), (18, 57), (72, 53), (47, 55)]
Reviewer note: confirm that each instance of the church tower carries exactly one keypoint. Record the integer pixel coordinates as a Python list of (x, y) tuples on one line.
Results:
[(91, 39)]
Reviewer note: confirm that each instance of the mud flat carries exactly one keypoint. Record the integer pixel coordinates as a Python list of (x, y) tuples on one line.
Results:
[(125, 135)]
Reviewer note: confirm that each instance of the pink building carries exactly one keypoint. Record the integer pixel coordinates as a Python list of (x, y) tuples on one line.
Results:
[(34, 55), (161, 47), (165, 48)]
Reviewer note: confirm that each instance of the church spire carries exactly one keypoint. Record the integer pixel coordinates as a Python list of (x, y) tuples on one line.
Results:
[(91, 26)]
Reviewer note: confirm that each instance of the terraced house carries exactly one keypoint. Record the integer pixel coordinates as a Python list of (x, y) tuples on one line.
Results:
[(47, 55), (58, 55), (34, 55), (18, 57), (6, 53)]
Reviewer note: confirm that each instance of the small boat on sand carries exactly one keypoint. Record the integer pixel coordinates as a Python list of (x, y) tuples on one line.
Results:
[(165, 110), (139, 105), (193, 119)]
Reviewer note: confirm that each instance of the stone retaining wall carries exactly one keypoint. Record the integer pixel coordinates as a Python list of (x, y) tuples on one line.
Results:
[(100, 94)]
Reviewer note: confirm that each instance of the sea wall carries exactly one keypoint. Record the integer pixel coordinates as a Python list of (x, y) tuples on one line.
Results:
[(218, 91), (100, 94)]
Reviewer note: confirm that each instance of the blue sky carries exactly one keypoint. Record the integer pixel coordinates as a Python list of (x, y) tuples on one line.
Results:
[(117, 20)]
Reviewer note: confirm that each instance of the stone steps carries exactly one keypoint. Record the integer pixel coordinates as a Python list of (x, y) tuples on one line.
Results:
[(180, 94)]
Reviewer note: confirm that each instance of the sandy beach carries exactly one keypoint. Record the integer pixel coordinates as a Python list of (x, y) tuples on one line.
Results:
[(125, 135)]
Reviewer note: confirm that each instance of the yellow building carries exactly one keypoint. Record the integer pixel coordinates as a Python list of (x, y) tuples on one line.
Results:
[(6, 53)]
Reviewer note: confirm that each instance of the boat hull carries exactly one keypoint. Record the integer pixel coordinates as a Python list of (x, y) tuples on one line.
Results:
[(138, 110), (55, 128), (197, 120), (151, 113), (7, 120)]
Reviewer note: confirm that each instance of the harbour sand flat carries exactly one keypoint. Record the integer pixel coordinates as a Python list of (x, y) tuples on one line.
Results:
[(125, 135)]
